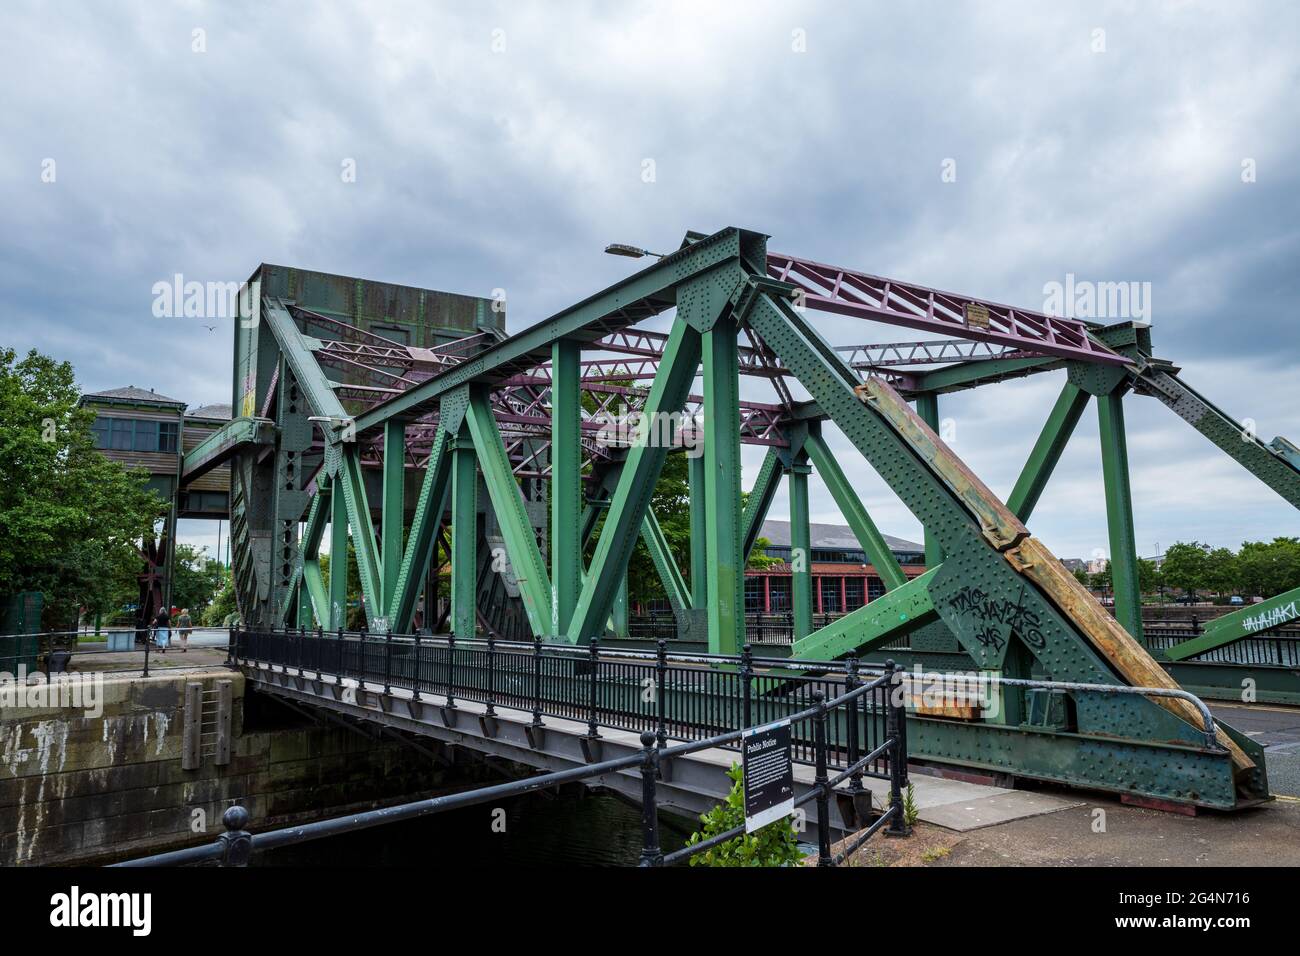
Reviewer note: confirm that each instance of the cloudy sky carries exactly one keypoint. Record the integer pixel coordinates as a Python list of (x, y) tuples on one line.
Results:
[(503, 145)]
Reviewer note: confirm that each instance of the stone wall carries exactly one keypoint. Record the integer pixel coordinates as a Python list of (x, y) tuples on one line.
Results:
[(79, 788)]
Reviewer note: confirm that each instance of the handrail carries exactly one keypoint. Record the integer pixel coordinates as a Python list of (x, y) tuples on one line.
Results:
[(236, 846)]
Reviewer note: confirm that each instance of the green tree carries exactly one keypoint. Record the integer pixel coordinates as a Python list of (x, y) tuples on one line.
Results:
[(70, 519), (1148, 576), (1220, 574), (758, 560), (223, 606), (1185, 566), (1101, 581), (1269, 568), (196, 579)]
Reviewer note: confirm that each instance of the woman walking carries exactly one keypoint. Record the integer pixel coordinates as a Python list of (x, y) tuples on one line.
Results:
[(184, 627), (162, 629)]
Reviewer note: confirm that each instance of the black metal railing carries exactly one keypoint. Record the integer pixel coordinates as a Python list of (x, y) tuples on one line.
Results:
[(675, 696), (1276, 648), (776, 628), (236, 846)]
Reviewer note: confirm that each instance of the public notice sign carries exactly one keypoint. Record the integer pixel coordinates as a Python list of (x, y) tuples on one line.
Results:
[(768, 774)]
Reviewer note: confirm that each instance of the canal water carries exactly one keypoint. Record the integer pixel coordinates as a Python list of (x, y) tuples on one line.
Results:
[(572, 828)]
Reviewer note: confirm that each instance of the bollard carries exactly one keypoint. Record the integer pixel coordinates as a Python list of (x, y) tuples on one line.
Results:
[(820, 781), (651, 854), (236, 842)]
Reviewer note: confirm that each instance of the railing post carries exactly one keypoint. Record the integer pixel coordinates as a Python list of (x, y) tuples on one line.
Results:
[(388, 661), (594, 658), (231, 656), (451, 670), (746, 679), (236, 842), (661, 703), (415, 668), (537, 680), (301, 636), (820, 781), (491, 710), (651, 854), (851, 683), (896, 729), (339, 669)]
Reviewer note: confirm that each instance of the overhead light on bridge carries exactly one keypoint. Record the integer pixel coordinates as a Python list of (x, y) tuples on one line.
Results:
[(632, 252)]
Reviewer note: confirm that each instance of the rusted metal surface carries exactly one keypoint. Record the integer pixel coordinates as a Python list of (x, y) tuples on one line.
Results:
[(999, 526)]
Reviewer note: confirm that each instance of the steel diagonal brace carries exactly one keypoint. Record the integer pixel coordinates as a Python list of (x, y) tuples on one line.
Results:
[(679, 596), (1246, 622), (364, 546), (877, 622), (429, 509), (636, 481), (508, 504), (308, 571), (297, 351), (760, 500), (864, 529), (1057, 619), (1047, 450)]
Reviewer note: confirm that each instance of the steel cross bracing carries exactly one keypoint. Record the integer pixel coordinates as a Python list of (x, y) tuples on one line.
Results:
[(494, 410)]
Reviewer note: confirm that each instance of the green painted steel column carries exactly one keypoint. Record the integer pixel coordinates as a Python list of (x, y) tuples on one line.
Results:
[(1119, 514), (927, 407), (618, 611), (726, 567), (392, 519), (566, 482), (801, 595), (338, 596), (760, 500), (864, 529), (699, 517), (1047, 450), (464, 536)]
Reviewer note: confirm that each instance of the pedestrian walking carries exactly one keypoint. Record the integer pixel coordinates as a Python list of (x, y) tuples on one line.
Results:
[(162, 629), (184, 627)]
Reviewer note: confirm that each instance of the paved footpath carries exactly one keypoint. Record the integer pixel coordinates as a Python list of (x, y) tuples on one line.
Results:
[(1277, 729)]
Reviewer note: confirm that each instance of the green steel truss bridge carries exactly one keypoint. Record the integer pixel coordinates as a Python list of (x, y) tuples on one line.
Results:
[(343, 431)]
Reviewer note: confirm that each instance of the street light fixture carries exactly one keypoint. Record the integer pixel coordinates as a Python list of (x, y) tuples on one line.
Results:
[(632, 252)]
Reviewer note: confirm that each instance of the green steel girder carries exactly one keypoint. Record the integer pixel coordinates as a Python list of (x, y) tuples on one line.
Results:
[(566, 482), (1119, 513), (392, 518), (759, 501), (296, 349), (662, 557), (900, 457), (636, 482), (464, 536), (289, 475), (887, 618), (854, 512), (351, 479), (1245, 622), (699, 519), (429, 509), (338, 583), (646, 293), (318, 516), (726, 563), (927, 407), (1047, 450), (801, 596), (230, 439), (1265, 463), (508, 504), (1237, 683)]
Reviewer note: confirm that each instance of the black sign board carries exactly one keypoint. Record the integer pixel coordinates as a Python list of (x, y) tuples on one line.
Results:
[(768, 774)]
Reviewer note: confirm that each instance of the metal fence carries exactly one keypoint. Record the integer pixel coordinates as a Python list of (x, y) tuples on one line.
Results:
[(675, 696), (1276, 648), (884, 759)]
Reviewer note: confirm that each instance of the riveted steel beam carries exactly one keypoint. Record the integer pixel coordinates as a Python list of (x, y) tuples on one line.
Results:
[(851, 507), (508, 504), (338, 583), (352, 481), (636, 481), (887, 618), (662, 557), (1047, 450), (927, 408), (464, 536), (1119, 513), (801, 595), (723, 532), (759, 501), (566, 482), (392, 519), (429, 509), (699, 517)]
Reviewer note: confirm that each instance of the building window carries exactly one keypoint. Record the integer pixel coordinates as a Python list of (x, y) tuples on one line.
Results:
[(830, 595), (852, 594), (131, 434), (753, 595), (875, 588), (780, 594)]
